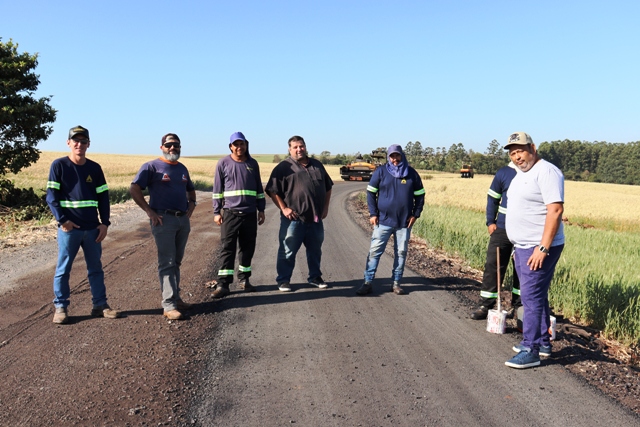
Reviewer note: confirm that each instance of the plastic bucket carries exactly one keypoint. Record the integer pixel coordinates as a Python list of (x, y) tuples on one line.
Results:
[(496, 321), (552, 327)]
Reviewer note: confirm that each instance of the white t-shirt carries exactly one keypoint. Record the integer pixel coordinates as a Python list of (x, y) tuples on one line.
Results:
[(529, 194)]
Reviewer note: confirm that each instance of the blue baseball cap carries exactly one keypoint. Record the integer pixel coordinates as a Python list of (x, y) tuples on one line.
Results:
[(237, 136)]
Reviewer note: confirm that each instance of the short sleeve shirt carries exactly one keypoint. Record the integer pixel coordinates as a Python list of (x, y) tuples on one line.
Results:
[(303, 188), (529, 194), (168, 184)]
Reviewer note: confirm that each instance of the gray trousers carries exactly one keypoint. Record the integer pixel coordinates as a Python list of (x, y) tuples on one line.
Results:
[(171, 239)]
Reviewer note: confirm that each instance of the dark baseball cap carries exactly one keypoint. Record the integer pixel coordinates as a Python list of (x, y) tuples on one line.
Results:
[(78, 130), (170, 135)]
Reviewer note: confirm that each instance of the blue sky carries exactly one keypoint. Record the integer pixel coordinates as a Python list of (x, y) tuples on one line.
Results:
[(346, 75)]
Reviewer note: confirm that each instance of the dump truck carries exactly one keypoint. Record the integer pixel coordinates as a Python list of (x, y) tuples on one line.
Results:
[(359, 170), (466, 171)]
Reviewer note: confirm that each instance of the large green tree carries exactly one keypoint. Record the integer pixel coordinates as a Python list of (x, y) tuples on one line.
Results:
[(24, 119)]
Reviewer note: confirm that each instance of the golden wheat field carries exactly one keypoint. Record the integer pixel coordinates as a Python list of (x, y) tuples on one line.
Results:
[(609, 206), (119, 169)]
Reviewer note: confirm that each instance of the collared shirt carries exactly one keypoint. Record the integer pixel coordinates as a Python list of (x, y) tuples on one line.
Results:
[(303, 188)]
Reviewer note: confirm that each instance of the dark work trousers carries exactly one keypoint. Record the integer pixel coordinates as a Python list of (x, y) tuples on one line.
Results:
[(237, 231), (489, 292)]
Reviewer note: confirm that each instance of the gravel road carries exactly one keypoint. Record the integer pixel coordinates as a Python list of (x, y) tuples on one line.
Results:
[(309, 358)]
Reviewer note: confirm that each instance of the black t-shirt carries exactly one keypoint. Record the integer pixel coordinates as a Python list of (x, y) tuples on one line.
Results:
[(303, 188)]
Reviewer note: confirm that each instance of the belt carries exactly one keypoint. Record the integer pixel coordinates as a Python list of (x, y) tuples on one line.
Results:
[(235, 212), (170, 212)]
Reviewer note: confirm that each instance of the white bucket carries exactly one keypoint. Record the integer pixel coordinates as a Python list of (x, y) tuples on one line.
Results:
[(552, 327), (496, 321)]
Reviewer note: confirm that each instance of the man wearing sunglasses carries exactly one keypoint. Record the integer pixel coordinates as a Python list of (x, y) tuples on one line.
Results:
[(77, 194), (172, 199)]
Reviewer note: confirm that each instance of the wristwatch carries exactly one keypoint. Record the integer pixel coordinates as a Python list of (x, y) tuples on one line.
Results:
[(543, 250), (194, 202)]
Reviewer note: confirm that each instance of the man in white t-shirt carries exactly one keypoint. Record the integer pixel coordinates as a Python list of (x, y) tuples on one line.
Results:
[(534, 226)]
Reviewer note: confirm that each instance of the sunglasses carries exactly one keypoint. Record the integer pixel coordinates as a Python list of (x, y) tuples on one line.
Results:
[(80, 141), (171, 144)]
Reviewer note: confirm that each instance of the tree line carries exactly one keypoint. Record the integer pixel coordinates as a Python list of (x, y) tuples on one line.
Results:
[(600, 161)]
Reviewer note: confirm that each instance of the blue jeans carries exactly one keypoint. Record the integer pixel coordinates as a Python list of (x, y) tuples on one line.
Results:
[(171, 239), (69, 243), (534, 293), (292, 235), (379, 238)]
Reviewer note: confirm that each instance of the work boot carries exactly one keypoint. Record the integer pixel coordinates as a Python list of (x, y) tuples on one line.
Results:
[(397, 289), (365, 289), (481, 313), (60, 316), (246, 286), (104, 311), (220, 292), (173, 315)]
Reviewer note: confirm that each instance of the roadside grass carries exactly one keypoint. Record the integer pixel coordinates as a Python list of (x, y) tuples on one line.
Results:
[(602, 206), (597, 280)]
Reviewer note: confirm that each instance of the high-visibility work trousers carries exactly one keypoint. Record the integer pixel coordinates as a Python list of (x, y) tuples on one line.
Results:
[(489, 289), (238, 231)]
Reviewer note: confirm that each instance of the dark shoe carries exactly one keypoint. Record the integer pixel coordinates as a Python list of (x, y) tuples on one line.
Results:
[(60, 316), (365, 289), (284, 287), (173, 315), (524, 359), (104, 311), (181, 305), (246, 286), (480, 314), (220, 292), (397, 289), (318, 282)]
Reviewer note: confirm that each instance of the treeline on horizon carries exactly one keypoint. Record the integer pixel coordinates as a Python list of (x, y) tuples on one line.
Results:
[(599, 161)]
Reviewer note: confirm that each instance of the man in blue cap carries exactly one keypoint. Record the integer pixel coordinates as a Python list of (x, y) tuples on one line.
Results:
[(238, 208), (395, 196)]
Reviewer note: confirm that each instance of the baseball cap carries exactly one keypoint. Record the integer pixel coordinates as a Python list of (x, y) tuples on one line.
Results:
[(518, 138), (170, 135), (78, 130), (237, 136), (395, 148)]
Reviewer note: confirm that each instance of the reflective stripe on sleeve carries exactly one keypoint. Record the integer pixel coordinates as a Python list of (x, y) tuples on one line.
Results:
[(79, 204), (419, 192), (53, 184), (494, 194), (102, 189), (372, 189), (240, 193)]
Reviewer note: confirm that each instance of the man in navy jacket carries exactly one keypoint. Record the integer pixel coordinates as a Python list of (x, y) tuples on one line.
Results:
[(395, 196), (496, 211)]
